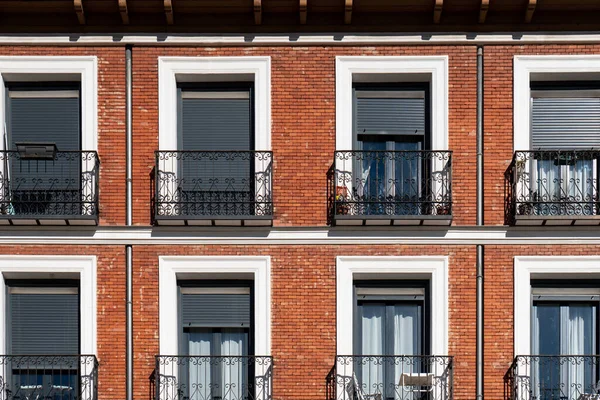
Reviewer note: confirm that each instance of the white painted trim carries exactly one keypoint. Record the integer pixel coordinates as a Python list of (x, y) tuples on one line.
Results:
[(171, 67), (435, 66), (524, 66), (526, 267), (434, 267), (137, 235), (84, 66), (85, 266), (293, 39), (170, 266)]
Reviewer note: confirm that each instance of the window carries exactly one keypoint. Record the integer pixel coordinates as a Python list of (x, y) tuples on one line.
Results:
[(391, 125), (216, 321), (564, 132), (389, 325), (564, 326), (43, 339), (43, 117)]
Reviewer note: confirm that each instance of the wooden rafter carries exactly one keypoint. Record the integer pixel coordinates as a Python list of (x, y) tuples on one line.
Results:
[(257, 12), (303, 9), (78, 5), (348, 12), (123, 11), (485, 5), (530, 10), (437, 11), (169, 11)]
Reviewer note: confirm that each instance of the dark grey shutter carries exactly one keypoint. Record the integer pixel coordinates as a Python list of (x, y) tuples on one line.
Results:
[(390, 112), (45, 119), (215, 310), (46, 186), (565, 123), (217, 121), (45, 324)]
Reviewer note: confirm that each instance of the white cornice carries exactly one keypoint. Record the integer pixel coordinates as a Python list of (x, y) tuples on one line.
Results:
[(470, 235), (303, 39)]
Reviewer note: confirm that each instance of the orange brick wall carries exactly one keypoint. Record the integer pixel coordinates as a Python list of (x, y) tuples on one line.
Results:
[(498, 114), (110, 309), (111, 120), (303, 311), (303, 123), (303, 277)]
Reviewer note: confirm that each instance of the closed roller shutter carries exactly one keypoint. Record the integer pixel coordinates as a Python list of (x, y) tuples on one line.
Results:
[(215, 309), (44, 323), (217, 121), (393, 112), (565, 122)]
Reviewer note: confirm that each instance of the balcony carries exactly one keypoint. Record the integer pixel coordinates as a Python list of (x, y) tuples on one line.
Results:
[(214, 377), (392, 188), (213, 188), (553, 187), (553, 378), (391, 378), (59, 188), (48, 377)]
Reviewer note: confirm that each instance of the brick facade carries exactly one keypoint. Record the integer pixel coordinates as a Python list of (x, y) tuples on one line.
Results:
[(303, 276)]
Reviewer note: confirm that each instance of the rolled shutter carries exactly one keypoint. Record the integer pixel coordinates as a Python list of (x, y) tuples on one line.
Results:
[(44, 324), (215, 310), (565, 123), (390, 112), (217, 121), (45, 118)]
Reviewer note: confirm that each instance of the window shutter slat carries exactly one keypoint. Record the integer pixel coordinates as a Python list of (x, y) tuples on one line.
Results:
[(44, 324), (565, 123), (215, 310), (390, 116)]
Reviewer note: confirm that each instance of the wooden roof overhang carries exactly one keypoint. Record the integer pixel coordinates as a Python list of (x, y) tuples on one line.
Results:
[(284, 16)]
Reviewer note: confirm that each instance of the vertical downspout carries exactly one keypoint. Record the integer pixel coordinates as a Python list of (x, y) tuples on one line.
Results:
[(128, 222), (480, 263)]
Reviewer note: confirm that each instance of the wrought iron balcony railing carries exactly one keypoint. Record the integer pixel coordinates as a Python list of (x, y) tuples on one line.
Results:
[(392, 185), (46, 190), (213, 185), (214, 378), (70, 377), (552, 185), (569, 377), (391, 378)]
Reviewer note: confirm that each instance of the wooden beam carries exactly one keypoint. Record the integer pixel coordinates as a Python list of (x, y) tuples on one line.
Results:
[(485, 5), (303, 8), (257, 12), (530, 10), (437, 11), (348, 12), (169, 11), (123, 11), (78, 5)]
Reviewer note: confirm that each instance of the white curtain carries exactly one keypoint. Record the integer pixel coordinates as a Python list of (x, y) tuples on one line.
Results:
[(407, 342), (576, 326), (580, 185), (532, 386), (548, 185), (372, 345), (234, 368), (200, 383)]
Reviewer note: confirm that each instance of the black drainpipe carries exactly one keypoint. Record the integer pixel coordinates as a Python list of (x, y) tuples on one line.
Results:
[(480, 249)]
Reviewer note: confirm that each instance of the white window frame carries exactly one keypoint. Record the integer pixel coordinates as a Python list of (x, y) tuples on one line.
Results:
[(432, 268), (536, 267), (391, 69), (233, 267), (49, 68), (213, 69), (564, 66), (396, 69), (32, 267), (527, 268)]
